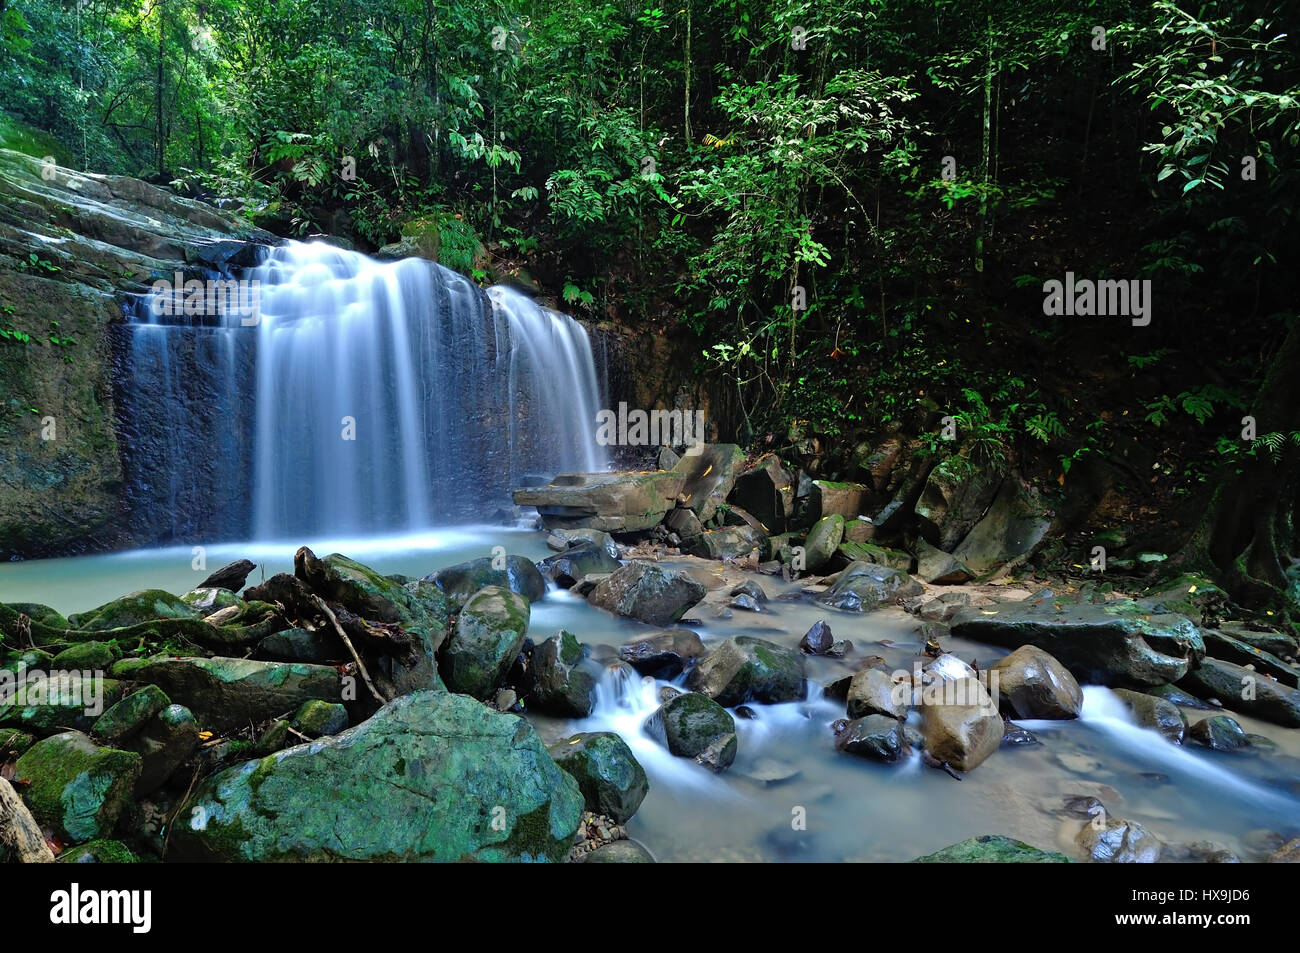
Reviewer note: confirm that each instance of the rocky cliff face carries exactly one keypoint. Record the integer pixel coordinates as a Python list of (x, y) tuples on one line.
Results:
[(74, 249)]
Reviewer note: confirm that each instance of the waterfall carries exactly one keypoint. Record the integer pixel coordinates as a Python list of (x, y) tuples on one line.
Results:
[(356, 398)]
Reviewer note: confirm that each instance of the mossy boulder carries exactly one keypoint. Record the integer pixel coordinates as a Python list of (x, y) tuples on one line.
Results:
[(128, 716), (518, 574), (41, 614), (993, 849), (14, 742), (566, 569), (87, 656), (822, 542), (744, 669), (317, 718), (692, 725), (488, 636), (164, 743), (51, 704), (302, 645), (143, 606), (564, 680), (610, 778), (228, 693), (433, 776), (75, 786)]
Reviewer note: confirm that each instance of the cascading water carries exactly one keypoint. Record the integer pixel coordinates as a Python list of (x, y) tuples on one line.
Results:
[(365, 397)]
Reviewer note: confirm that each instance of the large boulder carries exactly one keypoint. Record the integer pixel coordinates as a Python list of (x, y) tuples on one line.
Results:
[(229, 693), (827, 498), (744, 669), (489, 634), (47, 704), (938, 568), (766, 489), (164, 743), (76, 787), (519, 575), (822, 542), (663, 655), (1245, 691), (1013, 528), (1156, 714), (143, 606), (708, 477), (566, 569), (961, 724), (1114, 643), (564, 681), (691, 725), (612, 502), (432, 776), (1032, 684), (611, 780), (647, 592), (955, 496), (865, 586)]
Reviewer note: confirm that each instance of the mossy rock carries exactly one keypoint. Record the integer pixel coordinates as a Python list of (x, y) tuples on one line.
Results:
[(76, 787), (692, 725), (128, 716), (317, 718), (49, 705), (14, 742), (612, 781), (99, 852), (87, 656), (744, 669), (489, 635), (143, 606), (32, 660), (993, 849)]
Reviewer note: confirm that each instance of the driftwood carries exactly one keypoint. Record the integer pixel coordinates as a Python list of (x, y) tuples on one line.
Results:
[(19, 831), (348, 642), (302, 603), (229, 577)]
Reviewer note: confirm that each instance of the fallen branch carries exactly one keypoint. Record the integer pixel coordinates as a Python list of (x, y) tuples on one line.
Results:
[(320, 604)]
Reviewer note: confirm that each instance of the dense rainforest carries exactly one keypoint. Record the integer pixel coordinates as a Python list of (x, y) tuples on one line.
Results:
[(851, 208)]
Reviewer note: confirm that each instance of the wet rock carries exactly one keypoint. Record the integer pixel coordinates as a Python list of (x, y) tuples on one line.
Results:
[(1198, 852), (619, 852), (939, 568), (647, 592), (943, 607), (993, 849), (519, 575), (562, 539), (873, 692), (1219, 733), (1244, 691), (1119, 842), (611, 780), (878, 737), (863, 587), (1231, 649), (817, 640), (840, 649), (747, 602), (1158, 714), (433, 776), (489, 634), (1032, 684), (143, 606), (822, 542), (663, 655), (749, 588), (744, 669), (962, 726), (1111, 644), (692, 725), (76, 787), (303, 645), (684, 523), (566, 569), (769, 772), (1288, 853), (1178, 697), (230, 576), (564, 682), (1016, 736), (838, 689), (211, 601), (1014, 527), (228, 693)]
